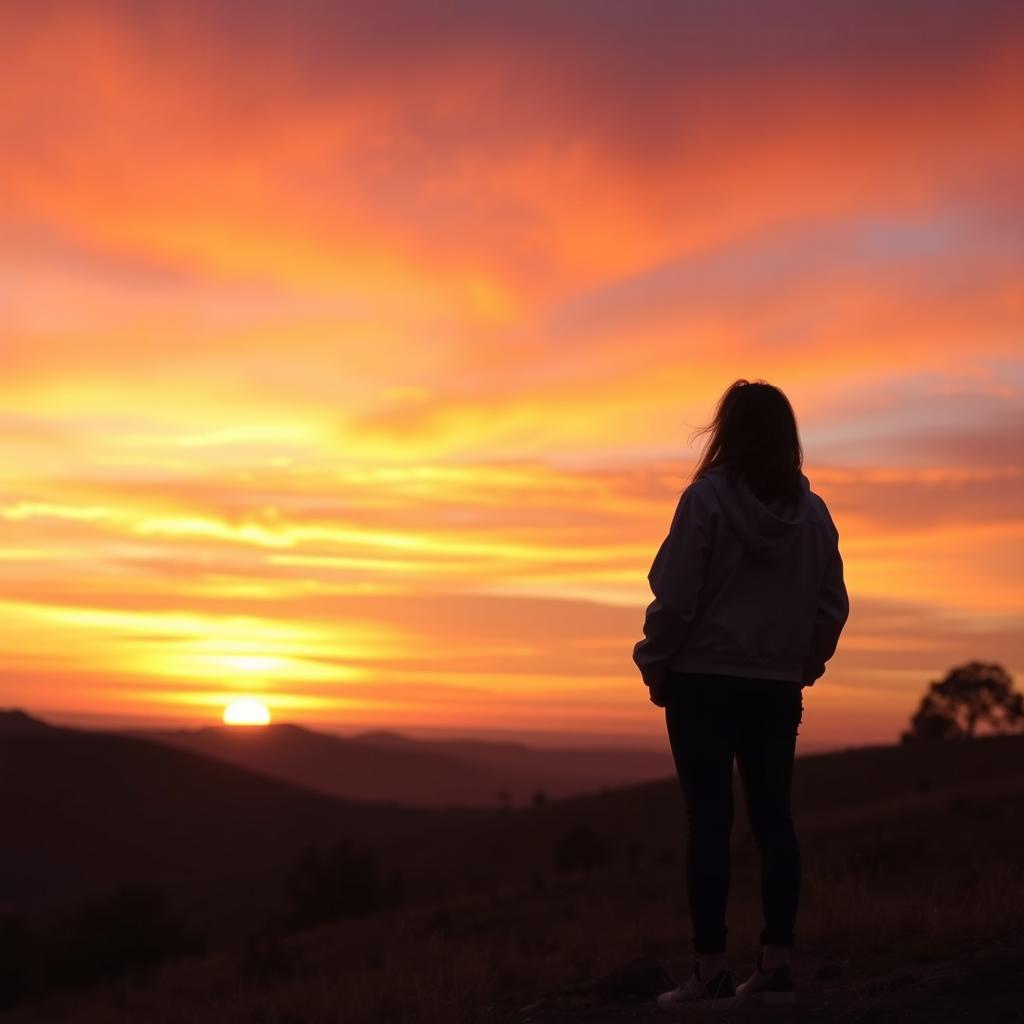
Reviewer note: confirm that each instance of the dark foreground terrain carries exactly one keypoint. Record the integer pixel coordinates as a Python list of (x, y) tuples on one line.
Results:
[(912, 910)]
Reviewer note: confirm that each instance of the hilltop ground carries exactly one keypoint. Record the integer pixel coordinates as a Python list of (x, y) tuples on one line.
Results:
[(912, 910)]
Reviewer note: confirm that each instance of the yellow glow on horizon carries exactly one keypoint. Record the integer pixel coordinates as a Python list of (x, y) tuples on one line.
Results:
[(246, 711)]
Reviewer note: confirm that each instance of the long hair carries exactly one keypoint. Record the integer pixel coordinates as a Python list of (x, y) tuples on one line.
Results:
[(753, 435)]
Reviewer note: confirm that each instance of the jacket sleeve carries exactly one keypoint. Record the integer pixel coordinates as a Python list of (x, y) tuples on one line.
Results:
[(833, 611), (676, 578)]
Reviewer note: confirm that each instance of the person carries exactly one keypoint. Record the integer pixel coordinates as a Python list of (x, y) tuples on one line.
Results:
[(749, 603)]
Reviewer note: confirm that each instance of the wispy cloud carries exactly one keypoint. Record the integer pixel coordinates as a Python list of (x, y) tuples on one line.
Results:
[(369, 339)]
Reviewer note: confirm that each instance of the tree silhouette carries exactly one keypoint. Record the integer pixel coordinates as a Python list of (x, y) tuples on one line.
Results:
[(969, 694)]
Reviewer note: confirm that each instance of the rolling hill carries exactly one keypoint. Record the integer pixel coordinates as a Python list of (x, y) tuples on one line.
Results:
[(83, 811), (429, 773), (911, 907)]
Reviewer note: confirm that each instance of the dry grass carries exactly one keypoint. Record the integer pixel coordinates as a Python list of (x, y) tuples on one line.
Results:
[(891, 895)]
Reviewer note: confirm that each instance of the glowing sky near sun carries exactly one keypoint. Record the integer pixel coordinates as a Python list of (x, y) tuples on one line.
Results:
[(350, 352)]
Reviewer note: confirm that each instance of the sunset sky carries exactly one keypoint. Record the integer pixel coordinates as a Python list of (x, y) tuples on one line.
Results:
[(351, 352)]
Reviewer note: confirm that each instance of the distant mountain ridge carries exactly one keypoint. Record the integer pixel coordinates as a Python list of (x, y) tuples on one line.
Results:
[(385, 765), (388, 737), (14, 721)]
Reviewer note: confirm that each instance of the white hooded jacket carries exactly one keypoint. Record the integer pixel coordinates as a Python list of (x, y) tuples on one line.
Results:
[(744, 588)]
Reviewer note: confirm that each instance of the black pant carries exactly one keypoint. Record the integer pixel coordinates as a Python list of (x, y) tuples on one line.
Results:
[(711, 719)]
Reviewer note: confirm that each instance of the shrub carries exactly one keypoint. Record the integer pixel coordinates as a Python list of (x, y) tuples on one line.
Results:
[(344, 882), (129, 932)]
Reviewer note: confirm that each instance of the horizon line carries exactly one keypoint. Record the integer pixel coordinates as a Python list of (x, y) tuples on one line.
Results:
[(536, 739)]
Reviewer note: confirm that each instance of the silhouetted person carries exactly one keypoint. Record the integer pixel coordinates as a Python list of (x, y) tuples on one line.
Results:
[(749, 602)]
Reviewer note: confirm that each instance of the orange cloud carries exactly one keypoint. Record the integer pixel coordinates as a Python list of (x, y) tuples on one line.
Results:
[(372, 342)]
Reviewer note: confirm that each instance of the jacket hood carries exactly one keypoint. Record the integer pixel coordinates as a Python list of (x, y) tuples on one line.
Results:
[(765, 530)]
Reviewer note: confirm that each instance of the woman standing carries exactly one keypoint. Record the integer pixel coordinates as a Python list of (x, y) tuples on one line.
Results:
[(749, 602)]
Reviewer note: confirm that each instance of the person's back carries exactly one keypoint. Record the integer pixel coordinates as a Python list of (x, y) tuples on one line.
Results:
[(746, 585), (760, 584)]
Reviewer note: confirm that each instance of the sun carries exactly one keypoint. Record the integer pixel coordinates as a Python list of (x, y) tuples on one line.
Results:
[(246, 711)]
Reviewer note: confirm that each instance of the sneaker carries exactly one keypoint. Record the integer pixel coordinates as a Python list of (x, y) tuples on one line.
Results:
[(714, 994), (774, 986)]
